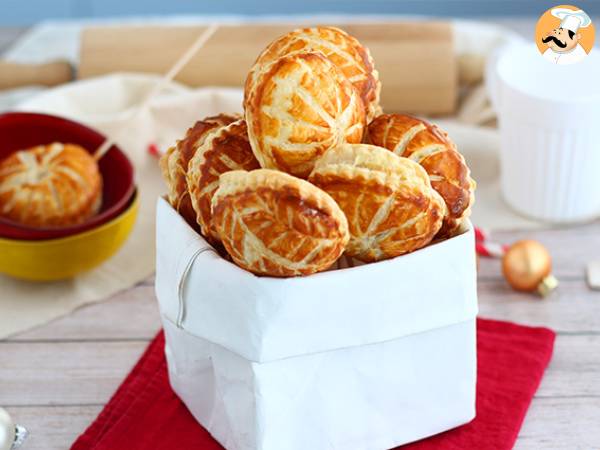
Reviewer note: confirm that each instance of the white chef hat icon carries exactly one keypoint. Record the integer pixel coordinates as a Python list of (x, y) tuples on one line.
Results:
[(570, 19)]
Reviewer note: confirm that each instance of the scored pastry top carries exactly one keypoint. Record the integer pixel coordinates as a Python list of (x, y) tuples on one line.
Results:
[(388, 200), (369, 162), (174, 163), (224, 148), (50, 186), (300, 106), (272, 223), (428, 145), (345, 51)]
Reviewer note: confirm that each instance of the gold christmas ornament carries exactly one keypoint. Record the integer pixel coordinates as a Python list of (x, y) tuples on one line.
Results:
[(527, 266)]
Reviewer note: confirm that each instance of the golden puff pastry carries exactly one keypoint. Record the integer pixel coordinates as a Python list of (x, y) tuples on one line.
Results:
[(353, 59), (429, 146), (274, 224), (300, 106), (388, 200), (174, 163), (225, 148), (53, 185)]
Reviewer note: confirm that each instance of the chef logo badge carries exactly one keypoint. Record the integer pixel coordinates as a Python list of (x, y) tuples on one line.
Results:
[(564, 34)]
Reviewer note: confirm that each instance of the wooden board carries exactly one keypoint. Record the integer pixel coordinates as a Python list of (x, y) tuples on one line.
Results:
[(416, 62)]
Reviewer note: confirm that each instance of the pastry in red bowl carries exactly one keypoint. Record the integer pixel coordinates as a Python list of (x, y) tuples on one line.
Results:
[(50, 185)]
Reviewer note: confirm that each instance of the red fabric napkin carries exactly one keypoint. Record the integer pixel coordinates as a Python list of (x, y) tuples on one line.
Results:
[(145, 413)]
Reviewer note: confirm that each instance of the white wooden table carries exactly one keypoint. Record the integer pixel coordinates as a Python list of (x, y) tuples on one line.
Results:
[(56, 379)]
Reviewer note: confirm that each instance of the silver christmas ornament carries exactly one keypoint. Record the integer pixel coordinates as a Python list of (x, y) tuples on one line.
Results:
[(11, 435)]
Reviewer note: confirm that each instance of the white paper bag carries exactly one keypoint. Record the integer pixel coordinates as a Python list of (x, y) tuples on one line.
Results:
[(368, 357)]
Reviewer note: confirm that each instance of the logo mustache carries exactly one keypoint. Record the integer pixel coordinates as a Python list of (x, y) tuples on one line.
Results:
[(555, 40)]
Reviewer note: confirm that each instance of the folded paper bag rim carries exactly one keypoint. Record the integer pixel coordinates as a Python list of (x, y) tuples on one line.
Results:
[(264, 319)]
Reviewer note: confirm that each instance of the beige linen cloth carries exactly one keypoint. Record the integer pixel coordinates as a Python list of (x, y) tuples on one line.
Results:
[(108, 104)]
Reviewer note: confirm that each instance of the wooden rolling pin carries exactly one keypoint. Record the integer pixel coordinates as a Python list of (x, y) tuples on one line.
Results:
[(416, 60), (13, 75)]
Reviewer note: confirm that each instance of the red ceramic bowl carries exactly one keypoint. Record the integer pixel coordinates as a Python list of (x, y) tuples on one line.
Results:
[(19, 131)]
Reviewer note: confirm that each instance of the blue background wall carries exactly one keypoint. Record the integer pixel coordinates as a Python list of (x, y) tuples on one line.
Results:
[(25, 12)]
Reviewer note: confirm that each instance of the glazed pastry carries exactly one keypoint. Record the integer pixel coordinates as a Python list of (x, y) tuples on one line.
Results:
[(300, 106), (174, 163), (54, 185), (274, 224), (343, 50), (224, 148), (429, 146), (388, 200)]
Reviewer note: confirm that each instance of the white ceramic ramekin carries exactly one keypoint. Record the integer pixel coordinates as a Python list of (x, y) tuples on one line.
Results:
[(549, 121)]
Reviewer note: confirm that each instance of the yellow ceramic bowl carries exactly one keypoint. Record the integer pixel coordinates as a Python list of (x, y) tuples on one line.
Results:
[(62, 258)]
